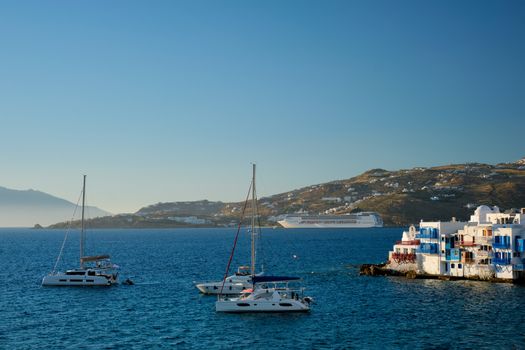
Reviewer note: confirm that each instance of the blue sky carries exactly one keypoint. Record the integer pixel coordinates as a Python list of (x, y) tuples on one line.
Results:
[(172, 100)]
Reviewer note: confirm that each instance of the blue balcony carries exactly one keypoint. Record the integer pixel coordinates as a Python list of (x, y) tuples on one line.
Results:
[(519, 267), (520, 244), (427, 232), (428, 248), (501, 261), (454, 255), (501, 242), (501, 245)]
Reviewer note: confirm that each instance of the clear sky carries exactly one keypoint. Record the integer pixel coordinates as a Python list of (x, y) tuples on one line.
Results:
[(172, 100)]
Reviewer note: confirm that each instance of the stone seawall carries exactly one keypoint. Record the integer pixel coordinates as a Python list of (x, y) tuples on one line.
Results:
[(383, 270)]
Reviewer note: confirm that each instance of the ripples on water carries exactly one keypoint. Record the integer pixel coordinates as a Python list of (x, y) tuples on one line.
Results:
[(165, 310)]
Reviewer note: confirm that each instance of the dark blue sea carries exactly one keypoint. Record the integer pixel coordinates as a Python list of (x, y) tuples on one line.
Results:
[(165, 310)]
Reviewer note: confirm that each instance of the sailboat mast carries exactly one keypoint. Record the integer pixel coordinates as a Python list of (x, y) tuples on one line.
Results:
[(82, 234), (254, 206)]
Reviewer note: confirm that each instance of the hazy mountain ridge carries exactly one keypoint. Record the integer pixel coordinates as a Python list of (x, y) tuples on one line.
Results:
[(24, 197), (401, 196), (25, 208)]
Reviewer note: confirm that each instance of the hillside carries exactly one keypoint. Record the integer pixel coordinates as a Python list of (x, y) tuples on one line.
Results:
[(25, 208), (402, 197)]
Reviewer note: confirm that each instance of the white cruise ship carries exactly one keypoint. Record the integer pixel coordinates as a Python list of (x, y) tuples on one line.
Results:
[(357, 220)]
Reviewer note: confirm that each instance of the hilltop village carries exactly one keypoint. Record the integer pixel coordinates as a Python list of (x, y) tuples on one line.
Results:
[(401, 197)]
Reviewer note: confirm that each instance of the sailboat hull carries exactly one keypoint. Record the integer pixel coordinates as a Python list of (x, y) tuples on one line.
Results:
[(243, 306), (62, 280), (233, 285), (228, 289)]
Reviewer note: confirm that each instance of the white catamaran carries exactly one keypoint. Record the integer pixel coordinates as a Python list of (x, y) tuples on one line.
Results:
[(269, 294), (265, 293), (93, 271), (234, 284), (242, 279)]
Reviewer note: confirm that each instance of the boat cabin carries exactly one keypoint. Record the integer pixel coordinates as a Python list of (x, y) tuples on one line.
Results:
[(243, 271)]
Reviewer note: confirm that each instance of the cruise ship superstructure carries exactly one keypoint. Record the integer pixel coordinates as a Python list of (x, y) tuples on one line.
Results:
[(356, 220), (490, 245)]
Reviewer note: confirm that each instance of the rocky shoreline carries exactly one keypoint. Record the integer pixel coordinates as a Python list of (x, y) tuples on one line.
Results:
[(383, 270)]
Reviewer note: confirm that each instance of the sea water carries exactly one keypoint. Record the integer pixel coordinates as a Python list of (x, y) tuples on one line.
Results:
[(164, 309)]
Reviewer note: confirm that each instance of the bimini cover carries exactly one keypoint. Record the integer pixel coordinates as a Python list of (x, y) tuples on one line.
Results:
[(260, 279), (94, 258)]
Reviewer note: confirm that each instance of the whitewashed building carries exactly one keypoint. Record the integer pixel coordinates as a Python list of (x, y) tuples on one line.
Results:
[(403, 256), (490, 245)]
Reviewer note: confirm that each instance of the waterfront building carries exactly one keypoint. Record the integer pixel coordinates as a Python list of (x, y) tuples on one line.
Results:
[(490, 245), (403, 256)]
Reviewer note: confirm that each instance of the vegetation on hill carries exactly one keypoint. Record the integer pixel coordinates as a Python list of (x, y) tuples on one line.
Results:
[(401, 197)]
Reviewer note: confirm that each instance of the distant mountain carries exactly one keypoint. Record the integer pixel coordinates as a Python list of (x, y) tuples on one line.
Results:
[(28, 208), (401, 197)]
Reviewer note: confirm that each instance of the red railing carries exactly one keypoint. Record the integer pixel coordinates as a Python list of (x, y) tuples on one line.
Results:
[(404, 257), (413, 242), (467, 244)]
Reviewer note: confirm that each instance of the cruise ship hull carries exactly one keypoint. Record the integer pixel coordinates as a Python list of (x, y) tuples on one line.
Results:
[(286, 224), (358, 220)]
